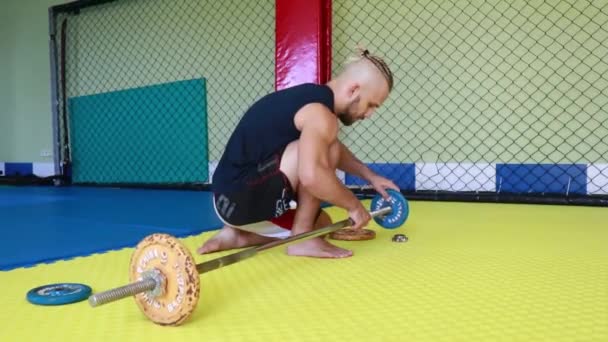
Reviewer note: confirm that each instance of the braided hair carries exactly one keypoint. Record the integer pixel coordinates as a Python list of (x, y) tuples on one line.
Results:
[(381, 65)]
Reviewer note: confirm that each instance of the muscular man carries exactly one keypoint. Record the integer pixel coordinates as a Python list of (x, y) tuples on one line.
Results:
[(285, 149)]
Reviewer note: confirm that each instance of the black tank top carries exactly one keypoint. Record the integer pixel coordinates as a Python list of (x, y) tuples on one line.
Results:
[(264, 130)]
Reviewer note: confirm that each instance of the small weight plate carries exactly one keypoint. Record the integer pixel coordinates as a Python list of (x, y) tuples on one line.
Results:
[(400, 209), (58, 294), (400, 238)]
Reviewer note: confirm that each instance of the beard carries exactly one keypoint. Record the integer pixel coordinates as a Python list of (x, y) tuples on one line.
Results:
[(348, 117)]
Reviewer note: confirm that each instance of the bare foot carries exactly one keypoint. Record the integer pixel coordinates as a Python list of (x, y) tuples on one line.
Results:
[(229, 238), (318, 248)]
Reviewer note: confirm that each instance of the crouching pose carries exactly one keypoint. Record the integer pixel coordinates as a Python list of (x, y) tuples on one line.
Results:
[(285, 151)]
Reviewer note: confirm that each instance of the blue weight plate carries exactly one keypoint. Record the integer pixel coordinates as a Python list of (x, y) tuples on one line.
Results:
[(58, 294), (400, 211)]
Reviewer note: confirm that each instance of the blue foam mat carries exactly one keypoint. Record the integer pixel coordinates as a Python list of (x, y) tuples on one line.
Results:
[(45, 224)]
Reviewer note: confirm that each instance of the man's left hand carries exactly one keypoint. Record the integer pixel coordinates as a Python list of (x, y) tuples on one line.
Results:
[(380, 184)]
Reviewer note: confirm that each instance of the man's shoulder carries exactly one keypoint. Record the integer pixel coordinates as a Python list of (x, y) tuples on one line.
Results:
[(316, 115), (297, 96), (297, 91), (306, 87)]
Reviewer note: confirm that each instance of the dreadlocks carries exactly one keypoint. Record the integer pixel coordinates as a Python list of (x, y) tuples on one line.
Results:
[(381, 65)]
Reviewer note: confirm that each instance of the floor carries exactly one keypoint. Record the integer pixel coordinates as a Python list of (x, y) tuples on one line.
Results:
[(469, 272)]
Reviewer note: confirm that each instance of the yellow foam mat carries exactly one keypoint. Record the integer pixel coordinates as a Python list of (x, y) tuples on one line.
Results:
[(469, 272)]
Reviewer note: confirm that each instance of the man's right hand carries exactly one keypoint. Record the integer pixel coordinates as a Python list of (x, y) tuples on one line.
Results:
[(360, 216)]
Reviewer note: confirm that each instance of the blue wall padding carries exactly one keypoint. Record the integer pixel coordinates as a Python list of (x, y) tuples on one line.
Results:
[(18, 169), (152, 134), (542, 178), (402, 174)]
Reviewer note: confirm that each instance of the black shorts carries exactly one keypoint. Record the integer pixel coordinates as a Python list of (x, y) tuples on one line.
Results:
[(266, 194)]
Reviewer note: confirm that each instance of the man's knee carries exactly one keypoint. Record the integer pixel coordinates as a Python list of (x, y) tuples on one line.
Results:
[(290, 159), (289, 163)]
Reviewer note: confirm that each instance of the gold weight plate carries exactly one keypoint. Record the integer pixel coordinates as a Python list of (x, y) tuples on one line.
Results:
[(182, 284), (350, 234)]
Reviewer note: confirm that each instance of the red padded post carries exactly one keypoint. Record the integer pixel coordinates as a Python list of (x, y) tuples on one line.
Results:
[(303, 42)]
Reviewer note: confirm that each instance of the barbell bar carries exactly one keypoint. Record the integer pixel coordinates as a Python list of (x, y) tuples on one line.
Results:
[(164, 277)]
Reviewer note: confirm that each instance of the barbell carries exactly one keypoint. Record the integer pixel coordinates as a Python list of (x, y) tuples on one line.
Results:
[(164, 278)]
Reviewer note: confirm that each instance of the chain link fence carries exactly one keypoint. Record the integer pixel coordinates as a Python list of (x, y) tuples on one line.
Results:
[(496, 97), (149, 91)]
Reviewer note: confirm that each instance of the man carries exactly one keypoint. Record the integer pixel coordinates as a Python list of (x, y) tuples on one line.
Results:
[(285, 149)]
